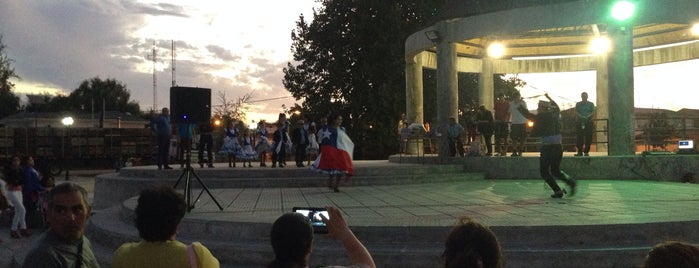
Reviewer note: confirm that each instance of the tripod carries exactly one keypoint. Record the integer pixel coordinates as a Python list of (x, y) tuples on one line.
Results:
[(187, 174)]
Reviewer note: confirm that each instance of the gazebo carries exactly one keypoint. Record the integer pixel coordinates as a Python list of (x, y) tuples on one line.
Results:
[(555, 37)]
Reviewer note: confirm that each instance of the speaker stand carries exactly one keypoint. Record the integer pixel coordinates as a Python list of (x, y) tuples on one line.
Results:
[(187, 174)]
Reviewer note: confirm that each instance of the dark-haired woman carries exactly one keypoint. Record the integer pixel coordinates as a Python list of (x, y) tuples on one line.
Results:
[(14, 177), (292, 241), (336, 149), (158, 215), (472, 245)]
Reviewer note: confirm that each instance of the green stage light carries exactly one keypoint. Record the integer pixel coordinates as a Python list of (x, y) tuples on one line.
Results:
[(623, 10)]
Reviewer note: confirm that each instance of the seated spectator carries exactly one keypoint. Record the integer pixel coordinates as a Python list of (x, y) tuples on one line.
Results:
[(292, 240), (158, 215), (672, 254), (64, 244), (471, 244)]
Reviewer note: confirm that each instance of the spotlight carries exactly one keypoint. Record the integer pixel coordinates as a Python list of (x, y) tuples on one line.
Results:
[(695, 29), (600, 44), (496, 50)]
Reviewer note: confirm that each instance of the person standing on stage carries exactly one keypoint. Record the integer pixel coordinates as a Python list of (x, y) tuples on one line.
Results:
[(231, 144), (206, 143), (547, 125), (299, 138), (247, 153), (185, 131), (336, 153), (280, 140), (518, 129), (162, 128), (502, 118), (584, 127), (454, 132), (263, 146), (485, 128)]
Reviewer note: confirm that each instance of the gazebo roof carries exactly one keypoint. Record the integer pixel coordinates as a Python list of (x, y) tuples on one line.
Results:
[(572, 33)]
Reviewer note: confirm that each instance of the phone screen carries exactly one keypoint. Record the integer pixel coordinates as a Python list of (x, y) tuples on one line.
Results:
[(313, 215)]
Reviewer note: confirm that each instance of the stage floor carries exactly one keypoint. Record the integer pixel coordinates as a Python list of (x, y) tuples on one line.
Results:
[(403, 211), (492, 202)]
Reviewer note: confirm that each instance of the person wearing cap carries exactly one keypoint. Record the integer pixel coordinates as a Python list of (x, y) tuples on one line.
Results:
[(548, 127)]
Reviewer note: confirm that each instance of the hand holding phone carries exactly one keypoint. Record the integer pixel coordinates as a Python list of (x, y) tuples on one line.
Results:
[(314, 216)]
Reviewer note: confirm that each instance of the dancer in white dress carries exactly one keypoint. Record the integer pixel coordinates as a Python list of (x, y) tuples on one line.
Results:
[(262, 147), (246, 152), (313, 148), (231, 146)]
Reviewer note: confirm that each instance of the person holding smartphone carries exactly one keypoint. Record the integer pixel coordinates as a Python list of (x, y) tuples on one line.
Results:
[(292, 240)]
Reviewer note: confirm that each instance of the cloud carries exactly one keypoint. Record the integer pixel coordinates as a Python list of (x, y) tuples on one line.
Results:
[(157, 9), (228, 46), (63, 42), (222, 53)]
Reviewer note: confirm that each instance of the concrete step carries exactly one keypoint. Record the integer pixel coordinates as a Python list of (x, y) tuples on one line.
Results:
[(244, 243), (117, 187), (667, 167)]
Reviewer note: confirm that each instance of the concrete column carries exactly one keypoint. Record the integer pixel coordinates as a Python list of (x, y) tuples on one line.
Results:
[(602, 105), (414, 98), (414, 90), (621, 95), (486, 85), (447, 91)]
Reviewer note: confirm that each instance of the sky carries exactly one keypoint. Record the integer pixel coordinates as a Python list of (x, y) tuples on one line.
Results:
[(233, 47), (664, 86)]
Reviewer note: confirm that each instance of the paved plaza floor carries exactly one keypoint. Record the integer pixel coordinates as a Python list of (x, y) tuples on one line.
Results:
[(492, 202)]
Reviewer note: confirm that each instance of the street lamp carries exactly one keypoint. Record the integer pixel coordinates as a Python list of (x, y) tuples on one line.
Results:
[(623, 10), (67, 121)]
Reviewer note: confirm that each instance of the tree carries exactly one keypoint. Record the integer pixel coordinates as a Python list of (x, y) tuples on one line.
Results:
[(92, 94), (349, 60), (9, 102), (229, 109)]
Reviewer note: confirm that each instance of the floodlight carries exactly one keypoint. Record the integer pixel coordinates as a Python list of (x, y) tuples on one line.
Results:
[(496, 50), (600, 45), (623, 10), (695, 29)]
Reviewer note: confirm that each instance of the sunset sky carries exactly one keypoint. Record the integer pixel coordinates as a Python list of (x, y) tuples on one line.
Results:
[(233, 47)]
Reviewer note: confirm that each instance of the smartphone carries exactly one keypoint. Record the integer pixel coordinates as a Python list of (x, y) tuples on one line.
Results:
[(313, 215)]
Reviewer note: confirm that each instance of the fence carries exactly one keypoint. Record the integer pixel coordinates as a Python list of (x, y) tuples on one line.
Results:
[(651, 133), (93, 146)]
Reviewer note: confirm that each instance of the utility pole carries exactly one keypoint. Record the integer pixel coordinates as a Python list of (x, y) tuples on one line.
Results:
[(173, 55), (154, 58)]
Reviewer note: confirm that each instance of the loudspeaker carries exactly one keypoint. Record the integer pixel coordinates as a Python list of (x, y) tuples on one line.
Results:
[(190, 105)]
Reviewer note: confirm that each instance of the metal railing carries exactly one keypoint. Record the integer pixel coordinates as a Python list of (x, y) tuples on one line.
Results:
[(647, 136)]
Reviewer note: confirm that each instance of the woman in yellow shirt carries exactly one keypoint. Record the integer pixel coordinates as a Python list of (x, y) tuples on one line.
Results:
[(158, 215)]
